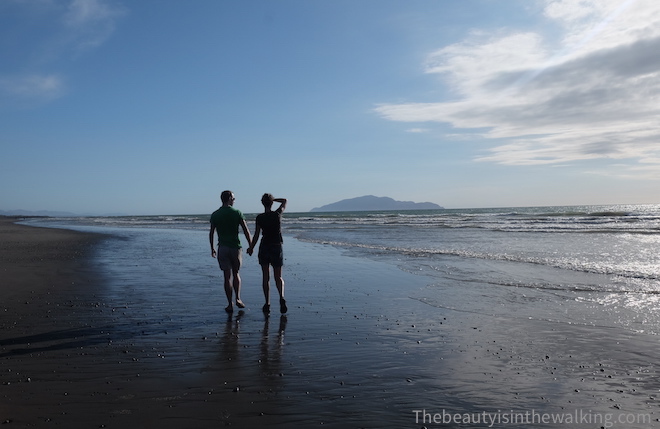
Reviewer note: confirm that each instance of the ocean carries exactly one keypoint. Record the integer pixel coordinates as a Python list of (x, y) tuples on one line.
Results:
[(587, 265)]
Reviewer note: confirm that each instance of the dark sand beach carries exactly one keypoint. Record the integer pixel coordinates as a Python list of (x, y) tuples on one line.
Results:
[(355, 350)]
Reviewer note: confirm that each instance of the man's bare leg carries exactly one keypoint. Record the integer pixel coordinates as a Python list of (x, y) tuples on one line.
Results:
[(237, 289), (228, 290)]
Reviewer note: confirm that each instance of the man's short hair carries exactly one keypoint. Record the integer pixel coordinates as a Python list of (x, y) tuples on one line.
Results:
[(225, 196), (267, 200)]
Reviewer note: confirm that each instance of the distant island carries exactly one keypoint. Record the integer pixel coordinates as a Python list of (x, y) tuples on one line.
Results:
[(48, 213), (372, 203)]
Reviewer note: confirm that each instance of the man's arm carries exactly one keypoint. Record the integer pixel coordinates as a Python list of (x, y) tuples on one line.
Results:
[(211, 234), (246, 231)]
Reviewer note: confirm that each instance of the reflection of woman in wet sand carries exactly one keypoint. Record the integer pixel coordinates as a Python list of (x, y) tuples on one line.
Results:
[(271, 354), (270, 249)]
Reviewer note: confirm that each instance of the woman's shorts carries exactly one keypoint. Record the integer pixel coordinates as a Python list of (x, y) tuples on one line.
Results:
[(271, 254), (229, 258)]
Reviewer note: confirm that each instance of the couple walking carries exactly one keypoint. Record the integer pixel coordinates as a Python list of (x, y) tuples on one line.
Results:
[(226, 221)]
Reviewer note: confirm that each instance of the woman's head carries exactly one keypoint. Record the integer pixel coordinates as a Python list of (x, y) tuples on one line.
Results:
[(267, 200)]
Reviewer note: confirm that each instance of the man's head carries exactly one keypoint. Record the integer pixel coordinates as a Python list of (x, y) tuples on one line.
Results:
[(227, 198), (267, 200)]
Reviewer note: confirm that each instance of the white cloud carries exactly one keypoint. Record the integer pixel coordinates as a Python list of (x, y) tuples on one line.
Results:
[(53, 32), (468, 65), (30, 87), (90, 22), (595, 95), (570, 10)]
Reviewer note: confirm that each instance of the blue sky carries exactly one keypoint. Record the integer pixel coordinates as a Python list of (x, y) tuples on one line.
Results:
[(156, 106)]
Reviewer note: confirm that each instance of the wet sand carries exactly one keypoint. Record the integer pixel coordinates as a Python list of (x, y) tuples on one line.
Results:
[(355, 350)]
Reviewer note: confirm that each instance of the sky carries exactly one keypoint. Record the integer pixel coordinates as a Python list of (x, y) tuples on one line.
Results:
[(157, 106)]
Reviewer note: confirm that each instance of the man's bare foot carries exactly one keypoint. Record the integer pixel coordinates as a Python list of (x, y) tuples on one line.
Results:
[(283, 308), (266, 308), (240, 304)]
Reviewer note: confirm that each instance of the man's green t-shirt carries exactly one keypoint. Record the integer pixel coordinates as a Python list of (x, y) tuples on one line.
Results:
[(226, 221)]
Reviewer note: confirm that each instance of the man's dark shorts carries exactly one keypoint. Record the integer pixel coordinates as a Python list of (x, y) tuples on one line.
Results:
[(229, 258), (271, 254)]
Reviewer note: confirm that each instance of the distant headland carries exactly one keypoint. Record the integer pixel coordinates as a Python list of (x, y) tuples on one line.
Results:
[(372, 203), (33, 213)]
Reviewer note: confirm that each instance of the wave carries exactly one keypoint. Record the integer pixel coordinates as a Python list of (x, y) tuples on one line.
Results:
[(569, 287), (643, 219), (564, 264), (584, 225)]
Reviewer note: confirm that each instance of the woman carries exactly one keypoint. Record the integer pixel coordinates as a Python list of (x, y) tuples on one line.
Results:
[(270, 250)]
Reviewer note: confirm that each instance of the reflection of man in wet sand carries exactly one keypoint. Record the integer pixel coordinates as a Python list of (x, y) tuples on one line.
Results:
[(231, 335), (270, 249), (226, 220)]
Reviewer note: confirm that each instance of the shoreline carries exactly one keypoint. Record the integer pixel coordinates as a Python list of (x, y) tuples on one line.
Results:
[(356, 349)]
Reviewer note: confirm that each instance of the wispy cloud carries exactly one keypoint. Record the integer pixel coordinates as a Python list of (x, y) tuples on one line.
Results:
[(90, 22), (31, 87), (593, 95), (55, 32)]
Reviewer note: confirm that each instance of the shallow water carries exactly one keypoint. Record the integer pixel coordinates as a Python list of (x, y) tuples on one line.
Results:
[(582, 264)]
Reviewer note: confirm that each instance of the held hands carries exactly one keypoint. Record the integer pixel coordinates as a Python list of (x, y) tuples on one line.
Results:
[(249, 252)]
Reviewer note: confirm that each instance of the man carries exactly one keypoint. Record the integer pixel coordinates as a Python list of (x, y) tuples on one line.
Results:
[(225, 221), (270, 249)]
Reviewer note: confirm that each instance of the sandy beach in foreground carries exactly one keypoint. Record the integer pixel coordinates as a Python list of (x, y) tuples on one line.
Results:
[(355, 350)]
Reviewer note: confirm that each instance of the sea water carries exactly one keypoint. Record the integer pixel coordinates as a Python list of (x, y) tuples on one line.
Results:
[(591, 265), (595, 265)]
